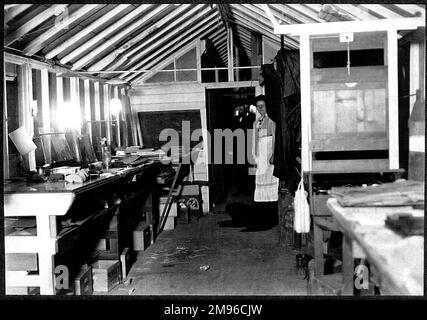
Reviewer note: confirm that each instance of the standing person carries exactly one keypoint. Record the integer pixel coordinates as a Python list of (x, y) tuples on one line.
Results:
[(264, 214)]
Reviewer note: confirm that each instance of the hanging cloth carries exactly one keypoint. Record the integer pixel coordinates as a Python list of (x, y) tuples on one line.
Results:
[(301, 209)]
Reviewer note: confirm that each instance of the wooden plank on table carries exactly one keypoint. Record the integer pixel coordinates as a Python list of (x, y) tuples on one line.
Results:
[(354, 212), (350, 165), (28, 204), (388, 194)]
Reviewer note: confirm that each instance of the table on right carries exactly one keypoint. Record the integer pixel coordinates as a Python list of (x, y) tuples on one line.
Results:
[(396, 261)]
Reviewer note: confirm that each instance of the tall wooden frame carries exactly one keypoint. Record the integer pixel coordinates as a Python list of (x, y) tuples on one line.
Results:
[(304, 31)]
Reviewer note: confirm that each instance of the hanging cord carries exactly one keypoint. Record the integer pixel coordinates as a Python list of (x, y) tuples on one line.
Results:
[(348, 57)]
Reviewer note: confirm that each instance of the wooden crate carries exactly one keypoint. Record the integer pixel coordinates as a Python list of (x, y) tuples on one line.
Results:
[(184, 215), (141, 236), (106, 275), (126, 261), (170, 223), (173, 209), (83, 282)]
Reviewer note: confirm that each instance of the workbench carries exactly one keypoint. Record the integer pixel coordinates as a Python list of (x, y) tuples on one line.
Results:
[(321, 215), (396, 262), (92, 203)]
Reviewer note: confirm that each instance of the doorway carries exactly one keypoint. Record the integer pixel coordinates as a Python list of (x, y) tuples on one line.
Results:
[(228, 108)]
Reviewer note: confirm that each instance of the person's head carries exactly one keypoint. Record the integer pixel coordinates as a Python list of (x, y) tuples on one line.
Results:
[(260, 104)]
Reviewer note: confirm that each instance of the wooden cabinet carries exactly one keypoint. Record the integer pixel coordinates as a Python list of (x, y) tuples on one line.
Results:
[(349, 101)]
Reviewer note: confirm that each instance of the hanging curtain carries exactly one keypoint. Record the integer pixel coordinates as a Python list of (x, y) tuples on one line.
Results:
[(282, 91)]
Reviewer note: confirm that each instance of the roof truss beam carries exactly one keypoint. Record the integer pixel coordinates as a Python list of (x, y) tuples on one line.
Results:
[(85, 31), (175, 51), (208, 21), (104, 33), (97, 52), (14, 11), (258, 15), (109, 58), (37, 44), (33, 23), (183, 21)]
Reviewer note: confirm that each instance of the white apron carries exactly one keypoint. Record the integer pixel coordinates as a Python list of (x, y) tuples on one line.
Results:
[(266, 185)]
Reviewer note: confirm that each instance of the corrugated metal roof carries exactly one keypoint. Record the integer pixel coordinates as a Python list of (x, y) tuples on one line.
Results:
[(115, 37)]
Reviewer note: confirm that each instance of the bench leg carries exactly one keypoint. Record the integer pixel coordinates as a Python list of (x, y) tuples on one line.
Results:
[(318, 249), (47, 274), (348, 266)]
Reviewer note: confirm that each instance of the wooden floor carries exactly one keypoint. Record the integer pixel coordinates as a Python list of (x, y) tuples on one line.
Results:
[(239, 263)]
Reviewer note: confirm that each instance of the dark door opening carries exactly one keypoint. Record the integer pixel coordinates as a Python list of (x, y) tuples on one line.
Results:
[(229, 109)]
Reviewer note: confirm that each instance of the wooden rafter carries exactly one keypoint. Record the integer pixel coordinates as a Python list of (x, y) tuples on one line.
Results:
[(104, 33), (256, 26), (278, 12), (157, 61), (255, 14), (351, 14), (85, 31), (200, 33), (412, 9), (354, 10), (220, 41), (14, 11), (305, 11), (108, 59), (93, 54), (33, 23), (381, 10), (129, 57), (208, 21), (291, 12), (37, 44), (351, 26)]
